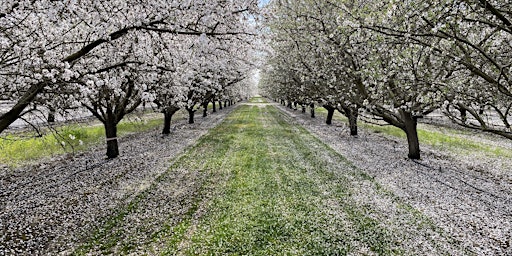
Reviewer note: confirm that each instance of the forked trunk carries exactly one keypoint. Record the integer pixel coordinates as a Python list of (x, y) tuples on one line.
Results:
[(410, 129), (111, 134), (330, 114)]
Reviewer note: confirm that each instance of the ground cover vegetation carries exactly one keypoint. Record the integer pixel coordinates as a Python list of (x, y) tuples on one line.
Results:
[(258, 197), (398, 61), (463, 191), (259, 183), (25, 146), (47, 205)]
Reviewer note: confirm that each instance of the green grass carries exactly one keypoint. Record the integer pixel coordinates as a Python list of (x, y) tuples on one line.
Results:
[(446, 140), (267, 188), (272, 204), (257, 99), (24, 147)]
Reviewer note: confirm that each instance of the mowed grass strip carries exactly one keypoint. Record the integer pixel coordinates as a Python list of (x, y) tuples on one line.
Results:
[(287, 193), (257, 185), (26, 147)]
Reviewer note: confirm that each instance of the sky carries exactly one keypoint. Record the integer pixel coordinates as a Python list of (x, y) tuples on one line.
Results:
[(263, 2)]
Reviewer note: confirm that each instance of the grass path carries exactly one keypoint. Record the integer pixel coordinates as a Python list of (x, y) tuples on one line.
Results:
[(256, 185)]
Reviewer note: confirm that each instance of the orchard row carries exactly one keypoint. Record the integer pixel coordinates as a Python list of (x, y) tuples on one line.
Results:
[(109, 57), (396, 60)]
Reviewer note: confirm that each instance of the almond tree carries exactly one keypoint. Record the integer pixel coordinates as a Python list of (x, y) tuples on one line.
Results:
[(394, 80), (474, 37), (42, 42)]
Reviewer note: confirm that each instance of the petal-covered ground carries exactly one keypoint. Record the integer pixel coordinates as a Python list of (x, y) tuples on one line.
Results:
[(468, 196), (49, 207), (257, 184)]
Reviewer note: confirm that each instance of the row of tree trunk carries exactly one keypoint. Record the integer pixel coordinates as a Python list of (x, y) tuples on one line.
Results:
[(404, 120)]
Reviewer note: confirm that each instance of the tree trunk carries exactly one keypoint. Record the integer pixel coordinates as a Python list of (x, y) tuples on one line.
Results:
[(191, 112), (352, 114), (168, 113), (51, 115), (352, 121), (205, 109), (220, 105), (463, 115), (303, 108), (294, 105), (312, 109), (225, 104), (410, 129), (330, 113), (111, 134), (214, 106)]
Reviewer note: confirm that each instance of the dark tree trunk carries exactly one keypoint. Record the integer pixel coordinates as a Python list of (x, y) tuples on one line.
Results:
[(191, 112), (168, 113), (303, 108), (463, 115), (295, 106), (225, 104), (214, 106), (205, 109), (481, 110), (352, 114), (220, 105), (352, 121), (111, 134), (289, 105), (312, 109), (330, 113), (51, 115), (410, 129)]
